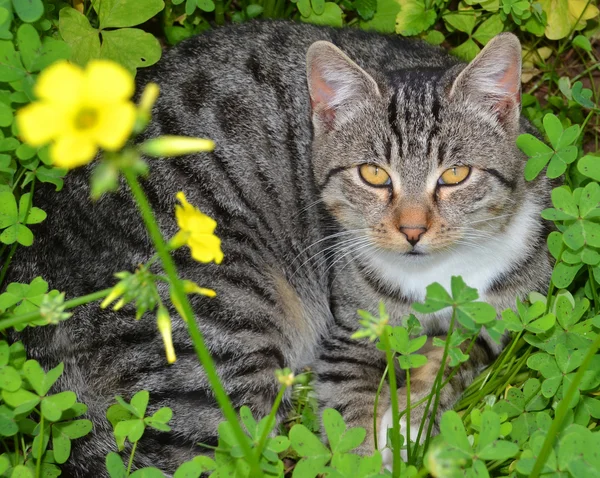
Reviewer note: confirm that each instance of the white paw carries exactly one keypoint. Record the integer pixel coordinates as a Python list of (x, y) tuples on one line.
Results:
[(382, 432)]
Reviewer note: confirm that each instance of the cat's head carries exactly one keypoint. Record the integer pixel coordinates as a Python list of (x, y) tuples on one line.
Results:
[(424, 160)]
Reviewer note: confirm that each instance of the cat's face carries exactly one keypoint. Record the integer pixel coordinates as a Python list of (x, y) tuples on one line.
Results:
[(428, 166)]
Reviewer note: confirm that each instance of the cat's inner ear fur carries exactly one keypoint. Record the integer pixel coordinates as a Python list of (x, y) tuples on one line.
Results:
[(335, 84), (493, 79)]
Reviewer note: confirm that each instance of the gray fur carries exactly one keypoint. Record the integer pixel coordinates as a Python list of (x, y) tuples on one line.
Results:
[(287, 202)]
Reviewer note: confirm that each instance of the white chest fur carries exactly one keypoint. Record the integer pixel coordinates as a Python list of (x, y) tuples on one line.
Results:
[(478, 264)]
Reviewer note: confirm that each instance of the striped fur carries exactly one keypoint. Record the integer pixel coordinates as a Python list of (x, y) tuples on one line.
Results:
[(306, 243)]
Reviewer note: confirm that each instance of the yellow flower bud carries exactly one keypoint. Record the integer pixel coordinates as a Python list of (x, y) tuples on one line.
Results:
[(114, 293), (163, 322), (165, 146), (193, 288), (149, 96), (119, 304)]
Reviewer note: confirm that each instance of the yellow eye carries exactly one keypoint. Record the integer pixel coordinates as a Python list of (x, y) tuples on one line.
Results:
[(374, 175), (454, 175)]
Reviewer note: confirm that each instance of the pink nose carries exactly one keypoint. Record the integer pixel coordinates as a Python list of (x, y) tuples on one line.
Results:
[(413, 233)]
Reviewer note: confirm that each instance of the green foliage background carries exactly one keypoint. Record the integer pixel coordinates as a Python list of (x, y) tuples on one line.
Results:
[(534, 411)]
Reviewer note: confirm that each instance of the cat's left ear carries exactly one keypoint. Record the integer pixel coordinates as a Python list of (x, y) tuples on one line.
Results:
[(493, 79), (335, 84)]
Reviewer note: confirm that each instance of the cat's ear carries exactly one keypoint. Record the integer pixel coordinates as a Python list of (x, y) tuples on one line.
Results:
[(335, 83), (493, 79)]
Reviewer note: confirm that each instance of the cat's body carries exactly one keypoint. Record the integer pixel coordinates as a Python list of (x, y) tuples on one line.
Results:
[(287, 296)]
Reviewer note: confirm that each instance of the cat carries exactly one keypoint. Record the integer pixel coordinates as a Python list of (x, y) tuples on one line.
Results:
[(350, 167)]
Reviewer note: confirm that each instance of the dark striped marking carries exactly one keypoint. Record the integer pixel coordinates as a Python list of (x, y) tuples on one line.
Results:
[(512, 185)]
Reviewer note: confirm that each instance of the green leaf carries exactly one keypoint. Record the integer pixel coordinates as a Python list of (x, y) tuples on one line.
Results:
[(463, 21), (467, 50), (365, 8), (436, 299), (334, 426), (564, 202), (542, 324), (29, 44), (29, 10), (412, 361), (318, 6), (139, 402), (53, 405), (21, 471), (314, 454), (21, 401), (566, 360), (589, 166), (498, 450), (582, 42), (10, 379), (478, 312), (207, 5), (131, 47), (115, 466), (79, 35), (413, 18), (453, 431), (489, 29), (8, 425), (332, 16), (132, 429), (563, 274), (11, 68), (126, 13), (582, 95), (553, 128)]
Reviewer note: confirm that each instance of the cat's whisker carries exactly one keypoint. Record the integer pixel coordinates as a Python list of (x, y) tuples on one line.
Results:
[(338, 234)]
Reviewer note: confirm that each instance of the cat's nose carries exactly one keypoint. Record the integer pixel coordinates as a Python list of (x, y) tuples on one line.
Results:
[(413, 233)]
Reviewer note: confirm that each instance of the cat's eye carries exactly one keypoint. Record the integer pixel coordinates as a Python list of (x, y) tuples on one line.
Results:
[(454, 175), (374, 175)]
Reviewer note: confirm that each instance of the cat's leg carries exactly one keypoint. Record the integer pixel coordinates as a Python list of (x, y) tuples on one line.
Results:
[(348, 374), (421, 383)]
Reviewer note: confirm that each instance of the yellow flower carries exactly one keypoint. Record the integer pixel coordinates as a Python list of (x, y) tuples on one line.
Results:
[(79, 111), (164, 146), (197, 232)]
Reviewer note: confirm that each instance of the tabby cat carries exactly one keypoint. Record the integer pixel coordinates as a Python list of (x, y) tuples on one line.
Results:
[(350, 168)]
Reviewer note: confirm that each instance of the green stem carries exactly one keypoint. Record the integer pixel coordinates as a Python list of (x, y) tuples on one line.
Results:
[(131, 457), (219, 12), (389, 355), (408, 415), (270, 423), (38, 464), (438, 381), (594, 291), (31, 316), (195, 334), (376, 405), (4, 271), (562, 410)]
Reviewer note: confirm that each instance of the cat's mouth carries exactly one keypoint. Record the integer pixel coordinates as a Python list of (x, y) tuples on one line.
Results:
[(414, 253)]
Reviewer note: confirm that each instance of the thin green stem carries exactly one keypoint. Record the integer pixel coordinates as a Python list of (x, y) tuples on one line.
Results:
[(131, 457), (376, 405), (389, 355), (38, 463), (195, 334), (4, 271), (31, 316), (270, 422), (594, 291), (408, 415), (438, 381), (562, 410)]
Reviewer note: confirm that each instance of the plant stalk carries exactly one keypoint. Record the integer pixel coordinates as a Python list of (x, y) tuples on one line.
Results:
[(195, 334)]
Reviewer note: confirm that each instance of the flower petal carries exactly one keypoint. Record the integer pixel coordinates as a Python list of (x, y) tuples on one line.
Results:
[(60, 83), (39, 123), (107, 81), (115, 123), (72, 151)]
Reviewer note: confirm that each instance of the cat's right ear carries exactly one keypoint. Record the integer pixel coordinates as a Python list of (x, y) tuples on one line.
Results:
[(493, 79), (335, 83)]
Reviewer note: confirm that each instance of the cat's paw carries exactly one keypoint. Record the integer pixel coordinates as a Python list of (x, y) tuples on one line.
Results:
[(382, 433)]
